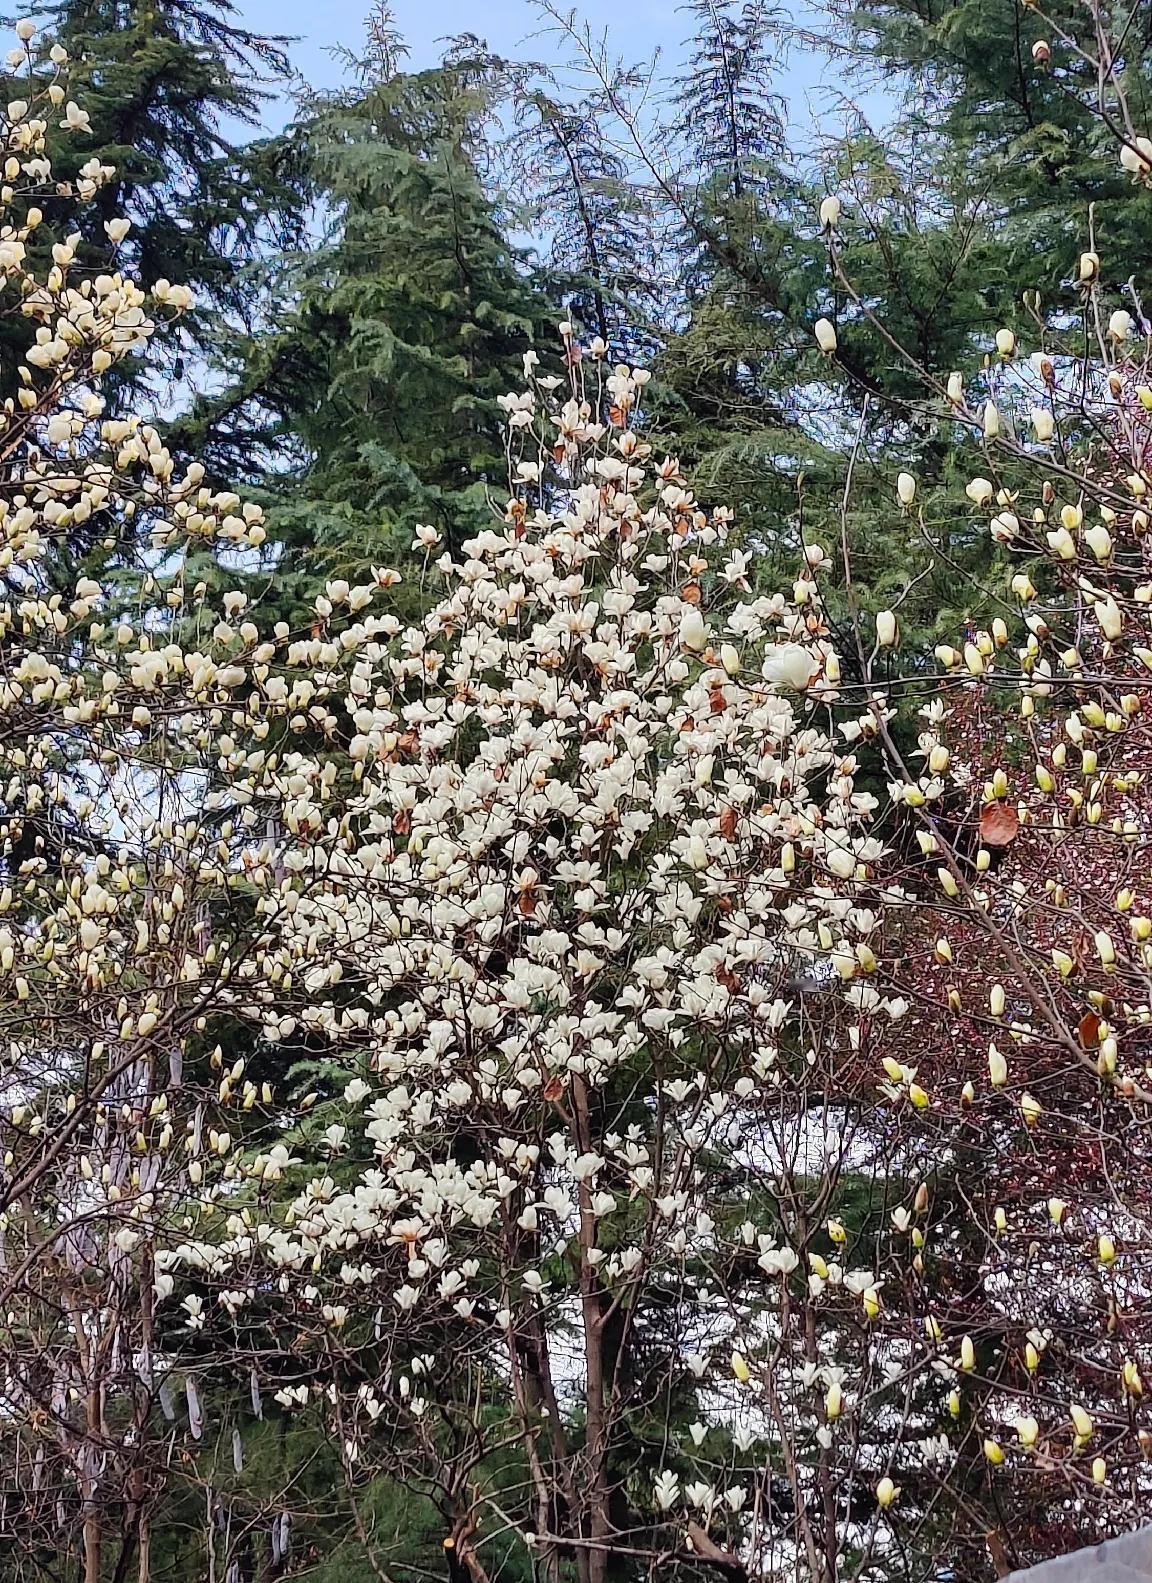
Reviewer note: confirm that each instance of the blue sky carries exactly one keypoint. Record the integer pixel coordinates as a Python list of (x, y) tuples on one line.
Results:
[(811, 84)]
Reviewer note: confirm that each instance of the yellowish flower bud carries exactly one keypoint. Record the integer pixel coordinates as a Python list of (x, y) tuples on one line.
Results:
[(825, 332), (1081, 1422), (1099, 541), (886, 1493), (1107, 613), (693, 632)]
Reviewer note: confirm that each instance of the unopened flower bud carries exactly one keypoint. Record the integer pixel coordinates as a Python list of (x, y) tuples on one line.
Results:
[(1099, 541), (997, 1067), (1006, 343), (825, 332), (1136, 158), (887, 629), (693, 632)]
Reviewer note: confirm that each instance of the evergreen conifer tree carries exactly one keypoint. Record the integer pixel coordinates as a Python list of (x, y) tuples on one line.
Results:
[(380, 380), (1012, 97), (603, 247)]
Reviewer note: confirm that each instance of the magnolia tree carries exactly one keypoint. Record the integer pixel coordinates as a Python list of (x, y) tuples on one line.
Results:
[(570, 943), (1026, 972), (1026, 967), (146, 746)]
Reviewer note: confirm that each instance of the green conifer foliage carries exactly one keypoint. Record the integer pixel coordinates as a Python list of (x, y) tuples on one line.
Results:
[(379, 383), (1003, 91)]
